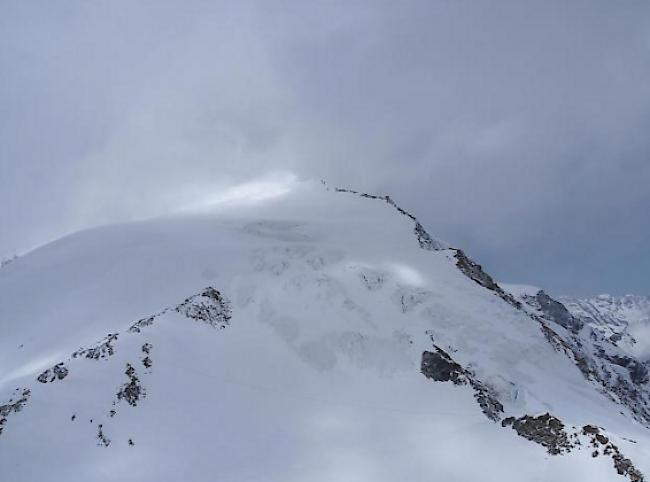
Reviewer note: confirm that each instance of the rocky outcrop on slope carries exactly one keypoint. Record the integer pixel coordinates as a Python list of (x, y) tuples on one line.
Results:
[(57, 372), (546, 430), (103, 349), (604, 446), (440, 367), (139, 325), (554, 311), (132, 391), (550, 432), (209, 307), (13, 406)]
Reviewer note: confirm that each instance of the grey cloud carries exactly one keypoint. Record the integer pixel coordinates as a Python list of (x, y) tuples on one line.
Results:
[(515, 129)]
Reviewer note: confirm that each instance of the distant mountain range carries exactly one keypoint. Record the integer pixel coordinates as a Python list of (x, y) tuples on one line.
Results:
[(624, 319)]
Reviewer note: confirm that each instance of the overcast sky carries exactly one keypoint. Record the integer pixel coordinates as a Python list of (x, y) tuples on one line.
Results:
[(517, 130)]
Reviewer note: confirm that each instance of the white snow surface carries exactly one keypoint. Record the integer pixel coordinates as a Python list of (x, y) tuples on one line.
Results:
[(315, 378)]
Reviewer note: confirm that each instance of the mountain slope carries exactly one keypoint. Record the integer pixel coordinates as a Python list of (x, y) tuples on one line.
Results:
[(322, 334)]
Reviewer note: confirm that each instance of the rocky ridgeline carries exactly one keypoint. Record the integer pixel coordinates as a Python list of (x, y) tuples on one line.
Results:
[(209, 307), (475, 272), (619, 377), (425, 240)]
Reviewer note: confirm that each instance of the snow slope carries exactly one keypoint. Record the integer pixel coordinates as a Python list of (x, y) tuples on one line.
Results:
[(317, 335)]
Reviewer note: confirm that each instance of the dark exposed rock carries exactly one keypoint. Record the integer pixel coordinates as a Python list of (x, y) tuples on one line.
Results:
[(103, 349), (557, 312), (103, 440), (140, 324), (555, 340), (590, 430), (439, 366), (13, 407), (545, 430), (487, 400), (638, 371), (425, 240), (16, 406), (57, 372), (132, 391), (475, 272), (623, 465), (210, 307)]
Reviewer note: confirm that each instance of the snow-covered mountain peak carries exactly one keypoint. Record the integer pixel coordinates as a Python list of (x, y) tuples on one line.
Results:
[(324, 335)]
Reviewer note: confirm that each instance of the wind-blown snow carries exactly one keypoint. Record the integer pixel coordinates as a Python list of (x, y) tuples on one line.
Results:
[(326, 304)]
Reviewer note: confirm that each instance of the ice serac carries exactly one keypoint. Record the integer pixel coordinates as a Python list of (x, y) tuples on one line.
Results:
[(321, 334)]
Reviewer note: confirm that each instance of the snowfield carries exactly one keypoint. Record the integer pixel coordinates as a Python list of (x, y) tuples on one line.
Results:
[(283, 339)]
